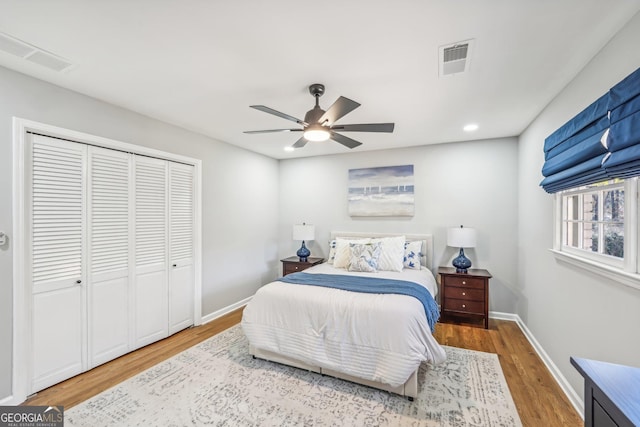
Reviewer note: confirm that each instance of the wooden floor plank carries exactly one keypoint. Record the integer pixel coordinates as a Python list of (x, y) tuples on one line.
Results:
[(539, 399)]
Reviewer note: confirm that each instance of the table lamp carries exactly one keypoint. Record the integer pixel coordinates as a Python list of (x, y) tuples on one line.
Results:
[(461, 238), (303, 232)]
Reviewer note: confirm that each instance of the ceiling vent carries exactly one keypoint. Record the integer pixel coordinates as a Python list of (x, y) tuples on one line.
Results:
[(31, 53), (455, 58)]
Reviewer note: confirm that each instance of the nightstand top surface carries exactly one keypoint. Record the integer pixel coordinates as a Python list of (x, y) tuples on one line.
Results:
[(473, 272), (310, 260)]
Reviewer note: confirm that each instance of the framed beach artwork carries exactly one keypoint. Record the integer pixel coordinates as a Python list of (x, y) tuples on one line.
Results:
[(381, 191)]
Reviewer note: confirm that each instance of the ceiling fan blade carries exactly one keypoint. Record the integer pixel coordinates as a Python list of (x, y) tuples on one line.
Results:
[(338, 109), (300, 143), (345, 140), (369, 127), (273, 130), (278, 113)]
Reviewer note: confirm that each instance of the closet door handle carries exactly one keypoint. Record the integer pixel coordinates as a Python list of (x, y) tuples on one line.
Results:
[(175, 265), (78, 281)]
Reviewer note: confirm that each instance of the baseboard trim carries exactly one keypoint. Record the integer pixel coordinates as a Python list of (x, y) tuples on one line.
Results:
[(568, 390), (9, 401), (225, 310)]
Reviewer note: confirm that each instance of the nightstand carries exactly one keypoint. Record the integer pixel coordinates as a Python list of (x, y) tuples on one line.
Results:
[(293, 264), (464, 295)]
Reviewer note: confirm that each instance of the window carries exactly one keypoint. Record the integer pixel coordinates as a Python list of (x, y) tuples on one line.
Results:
[(593, 218), (592, 222)]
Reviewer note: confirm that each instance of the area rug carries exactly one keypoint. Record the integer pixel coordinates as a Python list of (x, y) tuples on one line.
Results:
[(218, 383)]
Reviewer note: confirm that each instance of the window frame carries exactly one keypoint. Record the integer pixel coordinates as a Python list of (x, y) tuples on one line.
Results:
[(625, 270)]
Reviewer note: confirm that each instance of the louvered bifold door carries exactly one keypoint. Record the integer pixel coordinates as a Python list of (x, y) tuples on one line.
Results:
[(108, 263), (57, 225), (181, 223), (150, 223)]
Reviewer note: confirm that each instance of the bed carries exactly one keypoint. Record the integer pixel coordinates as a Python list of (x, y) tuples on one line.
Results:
[(378, 340)]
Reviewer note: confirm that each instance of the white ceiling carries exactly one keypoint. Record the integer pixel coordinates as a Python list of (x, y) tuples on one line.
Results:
[(200, 64)]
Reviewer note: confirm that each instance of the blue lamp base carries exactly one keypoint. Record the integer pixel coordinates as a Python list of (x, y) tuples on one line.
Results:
[(461, 262), (303, 253)]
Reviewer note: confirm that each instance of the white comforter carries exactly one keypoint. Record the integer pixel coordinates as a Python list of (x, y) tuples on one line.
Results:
[(378, 337)]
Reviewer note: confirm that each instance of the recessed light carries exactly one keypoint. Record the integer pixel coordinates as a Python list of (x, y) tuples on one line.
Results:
[(470, 127), (289, 148)]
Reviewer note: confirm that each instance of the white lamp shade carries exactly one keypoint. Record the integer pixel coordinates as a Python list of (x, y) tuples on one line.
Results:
[(303, 232), (461, 237)]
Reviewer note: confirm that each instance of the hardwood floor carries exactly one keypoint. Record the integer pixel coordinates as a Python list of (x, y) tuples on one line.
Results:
[(539, 399)]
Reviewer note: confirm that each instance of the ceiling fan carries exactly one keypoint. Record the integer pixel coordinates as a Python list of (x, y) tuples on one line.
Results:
[(319, 125)]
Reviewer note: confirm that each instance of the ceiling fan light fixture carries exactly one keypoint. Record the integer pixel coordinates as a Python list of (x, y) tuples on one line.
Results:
[(316, 133), (319, 125)]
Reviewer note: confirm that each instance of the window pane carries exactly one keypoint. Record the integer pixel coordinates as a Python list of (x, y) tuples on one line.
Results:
[(614, 239), (590, 207), (572, 207), (590, 237), (614, 205), (571, 234)]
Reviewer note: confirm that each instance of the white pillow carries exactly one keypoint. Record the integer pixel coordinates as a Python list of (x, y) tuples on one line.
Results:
[(364, 257), (392, 255), (343, 251), (412, 254)]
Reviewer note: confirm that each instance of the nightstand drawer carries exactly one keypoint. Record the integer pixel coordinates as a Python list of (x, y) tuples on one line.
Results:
[(465, 282), (294, 265), (464, 293), (293, 268), (464, 306)]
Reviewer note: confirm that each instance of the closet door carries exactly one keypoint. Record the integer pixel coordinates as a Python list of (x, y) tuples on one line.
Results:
[(181, 223), (150, 309), (57, 227), (108, 264)]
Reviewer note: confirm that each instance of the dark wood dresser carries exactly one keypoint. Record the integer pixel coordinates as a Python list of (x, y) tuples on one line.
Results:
[(464, 295), (611, 393), (293, 264)]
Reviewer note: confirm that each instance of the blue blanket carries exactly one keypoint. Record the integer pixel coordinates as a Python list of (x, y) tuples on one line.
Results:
[(370, 285)]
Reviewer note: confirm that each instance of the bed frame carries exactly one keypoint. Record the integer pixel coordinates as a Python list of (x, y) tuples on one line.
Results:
[(410, 387)]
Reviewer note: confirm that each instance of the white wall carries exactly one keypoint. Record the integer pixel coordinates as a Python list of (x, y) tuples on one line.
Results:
[(572, 312), (240, 193), (471, 183)]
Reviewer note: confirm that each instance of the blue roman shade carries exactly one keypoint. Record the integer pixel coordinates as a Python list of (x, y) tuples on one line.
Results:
[(624, 135), (600, 142), (575, 152)]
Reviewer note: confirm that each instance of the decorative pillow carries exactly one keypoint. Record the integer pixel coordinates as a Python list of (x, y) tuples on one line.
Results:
[(392, 255), (364, 257), (343, 251), (332, 251), (412, 254)]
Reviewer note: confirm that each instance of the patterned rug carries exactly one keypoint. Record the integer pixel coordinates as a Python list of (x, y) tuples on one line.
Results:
[(218, 383)]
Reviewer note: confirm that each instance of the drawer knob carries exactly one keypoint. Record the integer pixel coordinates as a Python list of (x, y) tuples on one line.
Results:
[(464, 283), (464, 306), (464, 293), (296, 267)]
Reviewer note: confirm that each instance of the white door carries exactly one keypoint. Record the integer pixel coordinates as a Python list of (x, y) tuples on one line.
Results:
[(108, 263), (181, 225), (150, 290), (56, 277)]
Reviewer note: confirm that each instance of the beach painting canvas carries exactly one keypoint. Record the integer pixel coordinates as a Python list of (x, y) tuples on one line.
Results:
[(381, 191)]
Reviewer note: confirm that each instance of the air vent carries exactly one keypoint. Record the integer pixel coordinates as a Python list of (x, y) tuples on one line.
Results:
[(49, 60), (31, 53), (455, 58)]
